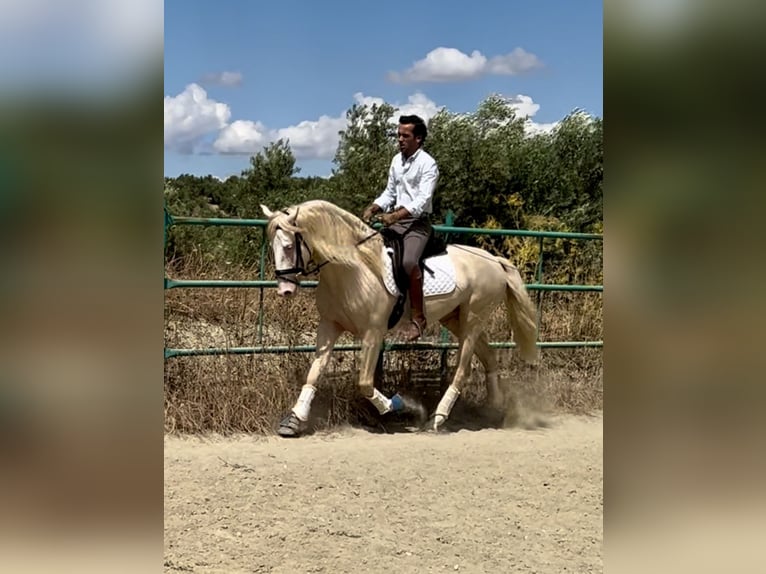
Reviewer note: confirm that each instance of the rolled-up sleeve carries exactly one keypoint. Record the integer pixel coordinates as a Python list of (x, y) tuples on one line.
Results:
[(388, 197), (425, 190)]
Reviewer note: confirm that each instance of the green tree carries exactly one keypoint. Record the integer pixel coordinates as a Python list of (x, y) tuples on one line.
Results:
[(195, 196), (479, 162), (269, 179), (566, 173), (363, 156)]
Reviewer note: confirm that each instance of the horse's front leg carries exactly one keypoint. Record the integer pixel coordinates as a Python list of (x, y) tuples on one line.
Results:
[(398, 404), (371, 342), (327, 333)]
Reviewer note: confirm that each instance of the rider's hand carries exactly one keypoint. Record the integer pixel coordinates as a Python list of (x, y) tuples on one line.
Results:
[(369, 212), (389, 218)]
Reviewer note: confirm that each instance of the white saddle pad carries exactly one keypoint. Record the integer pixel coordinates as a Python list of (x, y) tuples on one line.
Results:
[(440, 282)]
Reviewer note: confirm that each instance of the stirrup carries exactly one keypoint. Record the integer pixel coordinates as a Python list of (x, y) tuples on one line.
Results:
[(420, 329)]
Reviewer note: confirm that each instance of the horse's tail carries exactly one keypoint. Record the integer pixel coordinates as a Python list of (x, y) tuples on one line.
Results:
[(521, 312)]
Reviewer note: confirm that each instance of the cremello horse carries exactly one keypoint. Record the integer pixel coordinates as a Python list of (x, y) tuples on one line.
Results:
[(351, 296)]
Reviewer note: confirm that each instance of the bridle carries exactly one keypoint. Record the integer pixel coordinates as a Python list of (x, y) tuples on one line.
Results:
[(301, 268)]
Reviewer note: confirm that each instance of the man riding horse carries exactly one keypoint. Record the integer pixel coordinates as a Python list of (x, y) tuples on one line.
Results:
[(412, 179)]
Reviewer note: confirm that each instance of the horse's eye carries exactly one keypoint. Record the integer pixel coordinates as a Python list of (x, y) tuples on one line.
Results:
[(289, 246)]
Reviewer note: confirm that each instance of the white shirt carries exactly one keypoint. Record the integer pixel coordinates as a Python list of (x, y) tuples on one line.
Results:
[(411, 184)]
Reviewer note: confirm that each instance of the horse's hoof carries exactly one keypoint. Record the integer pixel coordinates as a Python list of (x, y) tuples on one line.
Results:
[(436, 423), (495, 417), (287, 432), (407, 405), (290, 426)]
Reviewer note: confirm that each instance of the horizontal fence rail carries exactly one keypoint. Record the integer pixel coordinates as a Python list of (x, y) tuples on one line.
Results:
[(202, 283), (418, 346), (262, 283)]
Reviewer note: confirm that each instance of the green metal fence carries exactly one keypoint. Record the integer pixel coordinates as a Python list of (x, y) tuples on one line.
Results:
[(448, 229)]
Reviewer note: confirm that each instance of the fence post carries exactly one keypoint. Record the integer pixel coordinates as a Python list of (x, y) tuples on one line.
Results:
[(168, 223), (539, 280), (262, 275), (449, 220)]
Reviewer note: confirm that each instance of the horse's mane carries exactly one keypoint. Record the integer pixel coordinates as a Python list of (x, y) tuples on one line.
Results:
[(333, 233)]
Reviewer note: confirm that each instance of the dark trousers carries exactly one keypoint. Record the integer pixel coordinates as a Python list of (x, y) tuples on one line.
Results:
[(414, 233)]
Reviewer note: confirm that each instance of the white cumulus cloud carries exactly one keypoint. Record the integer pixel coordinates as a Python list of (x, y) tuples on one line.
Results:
[(314, 139), (525, 107), (418, 104), (451, 65), (363, 100), (517, 62), (190, 116), (533, 128), (241, 137), (310, 139), (443, 65)]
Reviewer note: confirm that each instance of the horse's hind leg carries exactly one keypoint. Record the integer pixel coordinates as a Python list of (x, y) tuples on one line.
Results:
[(371, 343), (327, 333), (469, 332), (488, 358)]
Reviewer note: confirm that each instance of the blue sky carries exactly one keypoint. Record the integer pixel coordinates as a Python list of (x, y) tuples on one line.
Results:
[(239, 74)]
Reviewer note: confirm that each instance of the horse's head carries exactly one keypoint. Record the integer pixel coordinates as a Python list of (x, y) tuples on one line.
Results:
[(291, 253)]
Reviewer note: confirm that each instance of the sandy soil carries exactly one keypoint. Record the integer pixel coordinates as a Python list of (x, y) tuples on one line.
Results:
[(492, 500)]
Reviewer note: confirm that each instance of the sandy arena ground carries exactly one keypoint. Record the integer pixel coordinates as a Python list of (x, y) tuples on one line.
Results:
[(490, 501)]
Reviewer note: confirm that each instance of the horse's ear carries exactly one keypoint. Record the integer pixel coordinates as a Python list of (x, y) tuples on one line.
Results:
[(266, 211)]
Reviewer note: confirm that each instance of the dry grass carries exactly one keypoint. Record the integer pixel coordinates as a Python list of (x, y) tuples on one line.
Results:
[(250, 393)]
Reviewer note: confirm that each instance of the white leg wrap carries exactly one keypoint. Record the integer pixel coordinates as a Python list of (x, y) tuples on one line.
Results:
[(381, 402), (303, 405), (448, 400)]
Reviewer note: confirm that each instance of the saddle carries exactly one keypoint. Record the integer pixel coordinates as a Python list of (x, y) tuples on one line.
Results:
[(395, 246)]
